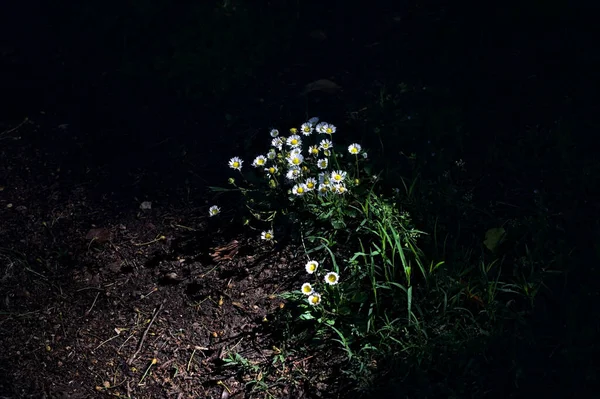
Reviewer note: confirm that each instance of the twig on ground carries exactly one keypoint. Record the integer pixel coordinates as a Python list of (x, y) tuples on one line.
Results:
[(166, 364), (93, 304), (143, 338), (7, 132), (108, 340)]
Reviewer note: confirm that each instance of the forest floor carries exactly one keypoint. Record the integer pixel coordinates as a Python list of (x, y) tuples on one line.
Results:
[(134, 297)]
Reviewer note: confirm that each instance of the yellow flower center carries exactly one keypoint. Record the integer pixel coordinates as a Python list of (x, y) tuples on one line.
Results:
[(337, 177), (315, 299), (236, 164), (300, 190), (268, 236), (310, 185), (271, 170), (331, 278), (294, 141), (329, 130), (306, 289), (296, 161)]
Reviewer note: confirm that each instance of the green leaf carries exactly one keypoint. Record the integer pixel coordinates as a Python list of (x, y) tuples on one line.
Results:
[(221, 189), (338, 224), (306, 316), (351, 213), (493, 238)]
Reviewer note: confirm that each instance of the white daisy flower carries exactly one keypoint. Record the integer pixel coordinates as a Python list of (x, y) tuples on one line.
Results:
[(338, 176), (277, 142), (299, 189), (311, 266), (324, 178), (325, 144), (214, 210), (294, 141), (314, 299), (274, 132), (236, 163), (323, 189), (313, 150), (259, 161), (271, 170), (306, 129), (293, 173), (332, 278), (354, 149), (322, 163), (339, 188), (295, 158), (307, 289), (328, 128), (267, 235), (310, 183), (313, 121), (320, 127)]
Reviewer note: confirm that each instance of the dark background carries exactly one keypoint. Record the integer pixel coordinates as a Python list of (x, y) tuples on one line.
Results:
[(174, 88)]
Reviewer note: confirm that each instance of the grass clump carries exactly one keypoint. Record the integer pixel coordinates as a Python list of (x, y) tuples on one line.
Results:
[(392, 296)]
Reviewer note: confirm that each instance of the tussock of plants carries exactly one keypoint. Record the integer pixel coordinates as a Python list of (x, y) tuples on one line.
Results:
[(365, 283)]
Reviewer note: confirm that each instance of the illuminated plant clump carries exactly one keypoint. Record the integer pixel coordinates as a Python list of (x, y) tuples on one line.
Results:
[(360, 247), (305, 167)]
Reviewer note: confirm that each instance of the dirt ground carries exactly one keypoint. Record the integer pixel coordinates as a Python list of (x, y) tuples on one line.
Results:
[(101, 298)]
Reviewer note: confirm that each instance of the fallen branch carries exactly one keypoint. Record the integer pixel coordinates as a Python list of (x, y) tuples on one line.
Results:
[(9, 131), (141, 343)]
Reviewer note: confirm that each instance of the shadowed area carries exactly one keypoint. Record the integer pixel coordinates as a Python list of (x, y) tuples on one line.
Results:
[(117, 125)]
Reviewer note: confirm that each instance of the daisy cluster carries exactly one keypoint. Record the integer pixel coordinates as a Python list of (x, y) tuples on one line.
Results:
[(303, 161), (330, 278)]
